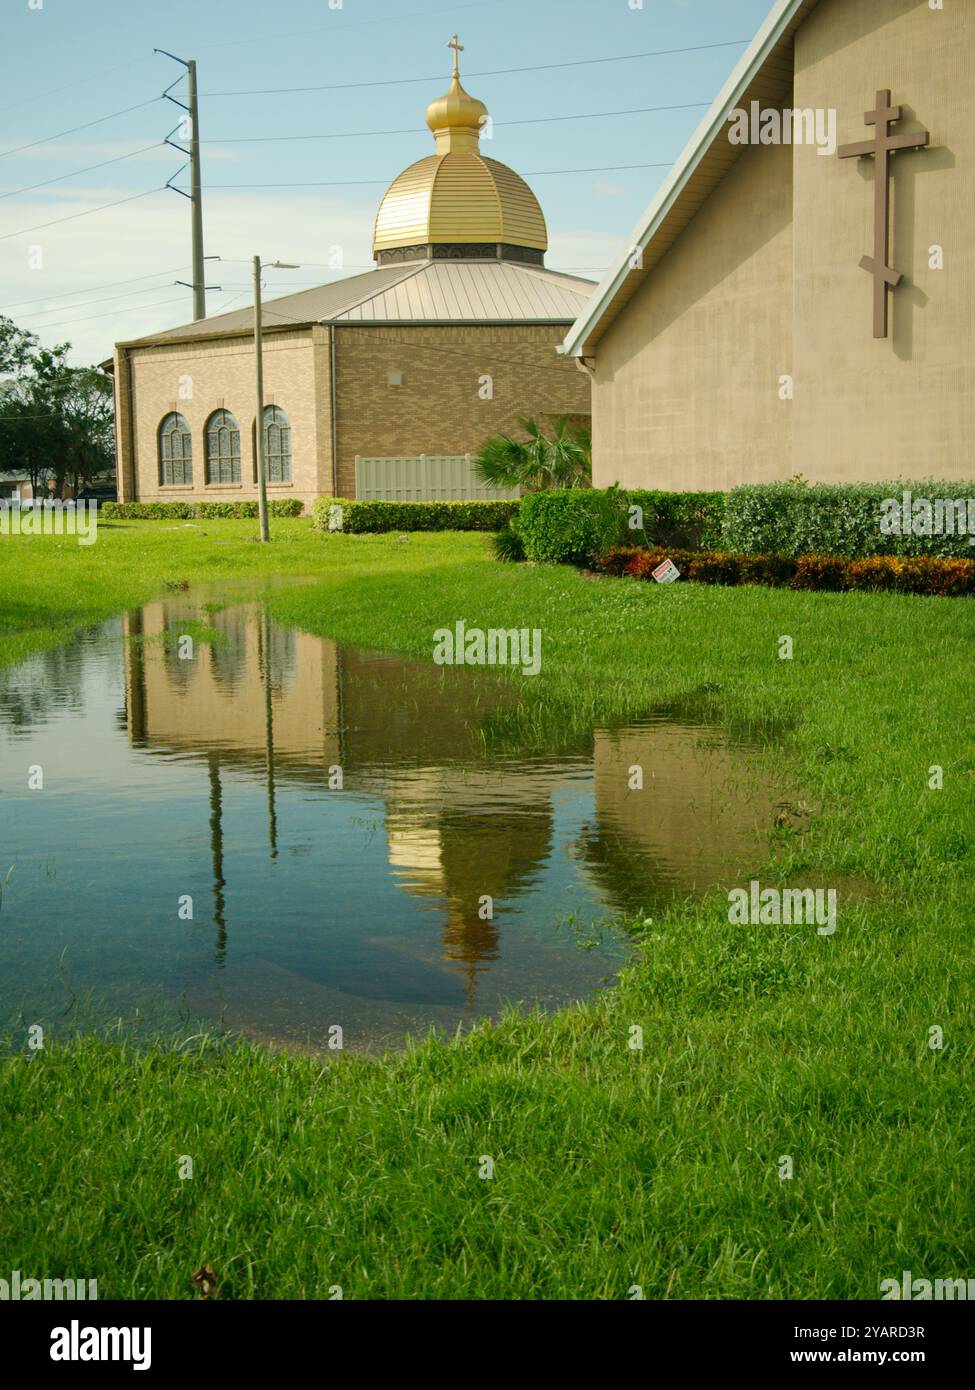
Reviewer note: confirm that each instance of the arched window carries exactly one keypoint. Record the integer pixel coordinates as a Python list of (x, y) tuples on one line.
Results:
[(175, 452), (223, 448), (277, 445)]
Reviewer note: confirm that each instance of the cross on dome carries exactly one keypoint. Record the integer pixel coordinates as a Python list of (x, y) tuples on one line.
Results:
[(458, 48)]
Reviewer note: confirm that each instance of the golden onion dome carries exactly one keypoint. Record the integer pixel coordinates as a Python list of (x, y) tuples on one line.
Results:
[(457, 197), (456, 110)]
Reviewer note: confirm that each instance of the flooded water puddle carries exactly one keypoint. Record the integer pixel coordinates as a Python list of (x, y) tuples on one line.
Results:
[(284, 836)]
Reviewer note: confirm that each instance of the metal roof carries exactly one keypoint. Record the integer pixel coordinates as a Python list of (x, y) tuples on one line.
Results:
[(764, 74), (420, 292)]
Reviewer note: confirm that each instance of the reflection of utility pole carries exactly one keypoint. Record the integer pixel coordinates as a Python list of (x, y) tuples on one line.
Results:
[(135, 692), (265, 642), (216, 846), (196, 179)]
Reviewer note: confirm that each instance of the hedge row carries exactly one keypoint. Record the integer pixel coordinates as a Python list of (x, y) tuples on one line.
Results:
[(201, 511), (852, 519), (919, 574), (334, 514), (577, 525)]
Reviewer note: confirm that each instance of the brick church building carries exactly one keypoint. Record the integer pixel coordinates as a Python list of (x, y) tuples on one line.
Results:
[(449, 340)]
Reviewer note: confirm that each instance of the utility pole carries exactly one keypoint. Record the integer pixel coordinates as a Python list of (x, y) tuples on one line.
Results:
[(196, 183), (259, 375), (199, 286)]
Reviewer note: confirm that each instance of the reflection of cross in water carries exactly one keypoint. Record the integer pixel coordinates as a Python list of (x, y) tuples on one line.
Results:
[(882, 147)]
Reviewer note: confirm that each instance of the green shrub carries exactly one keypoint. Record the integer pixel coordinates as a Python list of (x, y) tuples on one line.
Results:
[(508, 544), (838, 519), (376, 517), (688, 520), (575, 527), (205, 511), (571, 526)]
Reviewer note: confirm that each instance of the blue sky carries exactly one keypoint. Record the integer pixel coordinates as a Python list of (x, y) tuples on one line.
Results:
[(70, 62)]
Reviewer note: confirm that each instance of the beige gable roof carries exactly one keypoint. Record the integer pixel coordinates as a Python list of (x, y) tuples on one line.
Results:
[(765, 75), (427, 292)]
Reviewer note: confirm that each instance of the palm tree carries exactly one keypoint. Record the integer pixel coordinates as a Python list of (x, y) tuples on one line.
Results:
[(563, 459)]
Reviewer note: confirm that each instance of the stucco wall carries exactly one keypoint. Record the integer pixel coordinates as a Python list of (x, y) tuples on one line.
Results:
[(686, 377), (903, 406), (686, 392)]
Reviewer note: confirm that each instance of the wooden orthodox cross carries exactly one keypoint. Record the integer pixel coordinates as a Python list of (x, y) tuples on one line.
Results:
[(882, 146)]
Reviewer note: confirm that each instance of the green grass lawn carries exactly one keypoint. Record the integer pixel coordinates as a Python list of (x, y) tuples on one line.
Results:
[(613, 1167)]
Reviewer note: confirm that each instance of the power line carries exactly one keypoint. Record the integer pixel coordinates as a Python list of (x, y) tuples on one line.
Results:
[(485, 72), (112, 298), (67, 294), (88, 318), (414, 130), (69, 86), (87, 125), (334, 30), (362, 183), (225, 260), (75, 172), (596, 115), (104, 207)]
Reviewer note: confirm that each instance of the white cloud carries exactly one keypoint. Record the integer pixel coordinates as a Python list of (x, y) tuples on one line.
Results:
[(83, 256), (602, 189)]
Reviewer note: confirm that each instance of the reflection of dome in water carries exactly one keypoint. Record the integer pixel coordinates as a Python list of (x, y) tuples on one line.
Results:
[(456, 203), (455, 860)]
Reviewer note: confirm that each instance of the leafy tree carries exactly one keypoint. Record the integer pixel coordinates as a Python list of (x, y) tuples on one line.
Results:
[(56, 421), (561, 459), (80, 401), (27, 432), (17, 346)]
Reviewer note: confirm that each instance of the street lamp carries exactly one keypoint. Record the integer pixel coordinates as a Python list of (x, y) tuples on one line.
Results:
[(259, 360)]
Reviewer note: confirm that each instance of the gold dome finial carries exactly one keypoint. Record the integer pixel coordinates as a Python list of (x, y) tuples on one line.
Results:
[(456, 118)]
